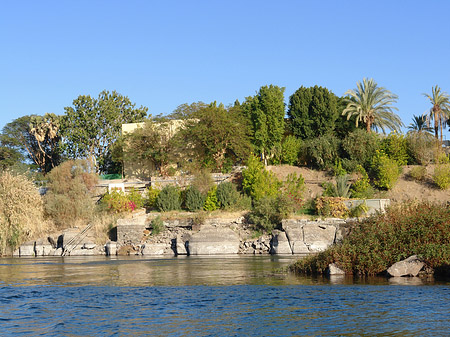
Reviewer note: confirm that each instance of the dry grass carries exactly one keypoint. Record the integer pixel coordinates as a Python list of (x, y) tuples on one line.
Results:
[(21, 211)]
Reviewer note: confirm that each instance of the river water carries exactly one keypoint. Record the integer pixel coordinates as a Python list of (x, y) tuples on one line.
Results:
[(209, 296)]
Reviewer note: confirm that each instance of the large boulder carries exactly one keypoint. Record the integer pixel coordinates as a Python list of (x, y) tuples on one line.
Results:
[(27, 249), (211, 240), (318, 237), (156, 249), (295, 237), (280, 244), (181, 245), (408, 267), (111, 248), (333, 269)]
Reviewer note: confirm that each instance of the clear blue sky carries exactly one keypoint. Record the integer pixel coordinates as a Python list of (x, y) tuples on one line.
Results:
[(164, 53)]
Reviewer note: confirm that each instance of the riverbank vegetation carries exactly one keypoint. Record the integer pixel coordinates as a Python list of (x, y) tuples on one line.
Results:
[(322, 131), (413, 228)]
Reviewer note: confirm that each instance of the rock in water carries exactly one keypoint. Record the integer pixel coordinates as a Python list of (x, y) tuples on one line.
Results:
[(408, 267), (212, 240)]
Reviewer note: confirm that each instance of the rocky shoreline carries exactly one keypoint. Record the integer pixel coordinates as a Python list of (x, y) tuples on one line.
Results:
[(183, 236)]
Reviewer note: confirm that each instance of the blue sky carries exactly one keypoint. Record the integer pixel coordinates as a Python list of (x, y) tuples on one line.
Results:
[(164, 53)]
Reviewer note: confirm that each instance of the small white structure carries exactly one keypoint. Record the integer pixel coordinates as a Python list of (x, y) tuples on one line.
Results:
[(116, 186)]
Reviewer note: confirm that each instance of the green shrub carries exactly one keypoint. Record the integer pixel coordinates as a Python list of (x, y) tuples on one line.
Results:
[(168, 199), (21, 211), (359, 210), (151, 195), (418, 173), (422, 148), (331, 206), (157, 225), (68, 201), (321, 152), (136, 197), (361, 188), (117, 202), (396, 148), (441, 176), (337, 168), (373, 245), (292, 188), (268, 212), (384, 171), (341, 188), (194, 199), (442, 158), (257, 182), (211, 200), (359, 146), (227, 195), (290, 149)]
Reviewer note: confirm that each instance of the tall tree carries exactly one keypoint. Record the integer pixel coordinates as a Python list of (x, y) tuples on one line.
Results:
[(91, 126), (266, 113), (372, 105), (313, 112), (37, 137), (419, 124), (440, 108), (214, 134)]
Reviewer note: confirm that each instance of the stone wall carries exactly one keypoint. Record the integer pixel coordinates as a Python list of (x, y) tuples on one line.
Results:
[(228, 236)]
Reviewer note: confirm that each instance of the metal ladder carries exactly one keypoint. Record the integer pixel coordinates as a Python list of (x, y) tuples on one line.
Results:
[(75, 241)]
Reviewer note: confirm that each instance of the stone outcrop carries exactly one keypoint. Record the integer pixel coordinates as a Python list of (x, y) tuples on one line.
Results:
[(318, 237), (212, 240), (156, 249), (333, 269), (408, 267), (296, 241), (280, 244)]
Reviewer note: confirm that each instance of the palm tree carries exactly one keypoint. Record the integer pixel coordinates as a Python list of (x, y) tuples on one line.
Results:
[(440, 109), (420, 124), (372, 105)]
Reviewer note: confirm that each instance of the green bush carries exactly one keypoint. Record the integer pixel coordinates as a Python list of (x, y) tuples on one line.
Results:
[(384, 171), (360, 146), (373, 245), (68, 201), (117, 202), (292, 188), (268, 212), (361, 188), (157, 225), (211, 200), (341, 188), (227, 195), (421, 148), (136, 197), (194, 199), (418, 173), (168, 199), (151, 195), (290, 149), (441, 176), (331, 206), (257, 182), (396, 148), (321, 152)]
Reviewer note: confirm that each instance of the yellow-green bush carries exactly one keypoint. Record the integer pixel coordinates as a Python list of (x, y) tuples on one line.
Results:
[(331, 206), (418, 173), (441, 176)]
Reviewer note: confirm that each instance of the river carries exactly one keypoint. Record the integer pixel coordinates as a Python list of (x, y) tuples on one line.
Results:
[(209, 296)]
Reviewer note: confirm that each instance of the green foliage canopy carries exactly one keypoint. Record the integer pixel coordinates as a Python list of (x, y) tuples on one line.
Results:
[(266, 114), (91, 125), (313, 112)]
